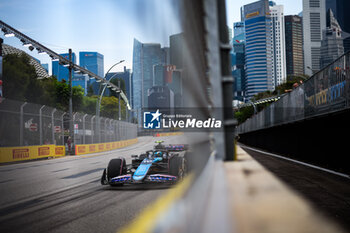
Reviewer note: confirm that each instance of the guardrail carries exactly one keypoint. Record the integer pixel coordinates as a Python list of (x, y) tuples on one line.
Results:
[(325, 92)]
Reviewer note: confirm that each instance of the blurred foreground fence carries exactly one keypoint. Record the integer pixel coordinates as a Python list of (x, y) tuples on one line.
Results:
[(26, 124), (325, 92)]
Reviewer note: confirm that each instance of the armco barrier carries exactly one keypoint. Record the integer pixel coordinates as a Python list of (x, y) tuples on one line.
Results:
[(100, 147), (167, 134), (13, 154)]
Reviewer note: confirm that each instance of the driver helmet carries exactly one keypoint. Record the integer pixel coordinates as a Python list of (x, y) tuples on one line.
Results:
[(158, 154)]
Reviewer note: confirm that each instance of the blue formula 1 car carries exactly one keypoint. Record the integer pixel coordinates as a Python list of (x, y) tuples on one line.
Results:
[(163, 164)]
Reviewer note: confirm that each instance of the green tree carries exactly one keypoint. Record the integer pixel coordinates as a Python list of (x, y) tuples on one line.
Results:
[(18, 77)]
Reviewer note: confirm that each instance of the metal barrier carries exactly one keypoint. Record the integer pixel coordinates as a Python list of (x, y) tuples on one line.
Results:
[(325, 92), (27, 124)]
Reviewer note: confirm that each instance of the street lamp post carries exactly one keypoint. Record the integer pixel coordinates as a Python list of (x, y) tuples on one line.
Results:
[(98, 104), (70, 67)]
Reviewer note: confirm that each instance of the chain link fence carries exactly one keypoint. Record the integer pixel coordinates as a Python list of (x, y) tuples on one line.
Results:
[(27, 124), (327, 91)]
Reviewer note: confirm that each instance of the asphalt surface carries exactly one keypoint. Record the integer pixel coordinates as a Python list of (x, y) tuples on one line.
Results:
[(65, 194), (328, 193)]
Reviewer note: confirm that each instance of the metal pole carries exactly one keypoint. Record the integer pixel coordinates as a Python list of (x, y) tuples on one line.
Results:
[(119, 103), (84, 128), (62, 127), (227, 81), (21, 125), (41, 125), (53, 126), (92, 131), (98, 103), (71, 133), (106, 130)]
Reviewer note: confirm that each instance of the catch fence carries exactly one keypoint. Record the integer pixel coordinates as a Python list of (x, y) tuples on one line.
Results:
[(26, 124)]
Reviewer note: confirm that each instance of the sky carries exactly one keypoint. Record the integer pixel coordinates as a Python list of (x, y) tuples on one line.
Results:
[(291, 7), (105, 26)]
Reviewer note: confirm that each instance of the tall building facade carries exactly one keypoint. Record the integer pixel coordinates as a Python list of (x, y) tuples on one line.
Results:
[(258, 49), (314, 21), (294, 45), (279, 74), (60, 71), (238, 61), (332, 42), (94, 62), (238, 28), (145, 57), (341, 9)]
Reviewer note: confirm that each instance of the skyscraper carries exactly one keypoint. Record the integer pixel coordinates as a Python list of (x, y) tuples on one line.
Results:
[(60, 71), (332, 42), (258, 35), (145, 57), (294, 45), (238, 61), (92, 61), (279, 75), (314, 21), (341, 9)]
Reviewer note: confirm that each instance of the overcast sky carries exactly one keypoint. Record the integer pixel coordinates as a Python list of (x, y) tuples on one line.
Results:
[(104, 26)]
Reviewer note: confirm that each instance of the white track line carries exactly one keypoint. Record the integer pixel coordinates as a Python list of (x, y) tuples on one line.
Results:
[(299, 162)]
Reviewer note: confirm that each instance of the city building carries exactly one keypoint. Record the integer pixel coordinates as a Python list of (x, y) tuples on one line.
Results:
[(238, 28), (161, 97), (81, 80), (94, 62), (61, 72), (145, 57), (46, 67), (314, 21), (279, 74), (177, 50), (341, 9), (258, 48), (177, 53), (332, 42), (238, 61), (294, 45)]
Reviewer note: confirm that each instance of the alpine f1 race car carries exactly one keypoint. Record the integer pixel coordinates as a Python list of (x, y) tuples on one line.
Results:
[(163, 164)]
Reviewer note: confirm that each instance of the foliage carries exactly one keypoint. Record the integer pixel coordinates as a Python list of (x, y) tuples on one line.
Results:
[(244, 113), (18, 77), (20, 82)]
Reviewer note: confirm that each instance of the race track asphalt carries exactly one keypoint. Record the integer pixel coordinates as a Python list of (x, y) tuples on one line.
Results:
[(65, 194)]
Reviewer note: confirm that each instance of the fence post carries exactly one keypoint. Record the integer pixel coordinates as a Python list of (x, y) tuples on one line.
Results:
[(53, 125), (41, 125), (21, 125), (84, 128), (92, 131), (106, 130), (62, 127)]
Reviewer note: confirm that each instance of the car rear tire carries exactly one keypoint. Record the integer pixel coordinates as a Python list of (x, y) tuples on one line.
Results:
[(116, 167)]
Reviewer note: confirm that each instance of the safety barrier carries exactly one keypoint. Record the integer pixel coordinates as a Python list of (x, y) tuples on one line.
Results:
[(13, 154), (100, 147), (167, 134)]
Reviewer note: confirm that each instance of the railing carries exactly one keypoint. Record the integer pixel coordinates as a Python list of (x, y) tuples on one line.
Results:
[(325, 92), (25, 124)]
